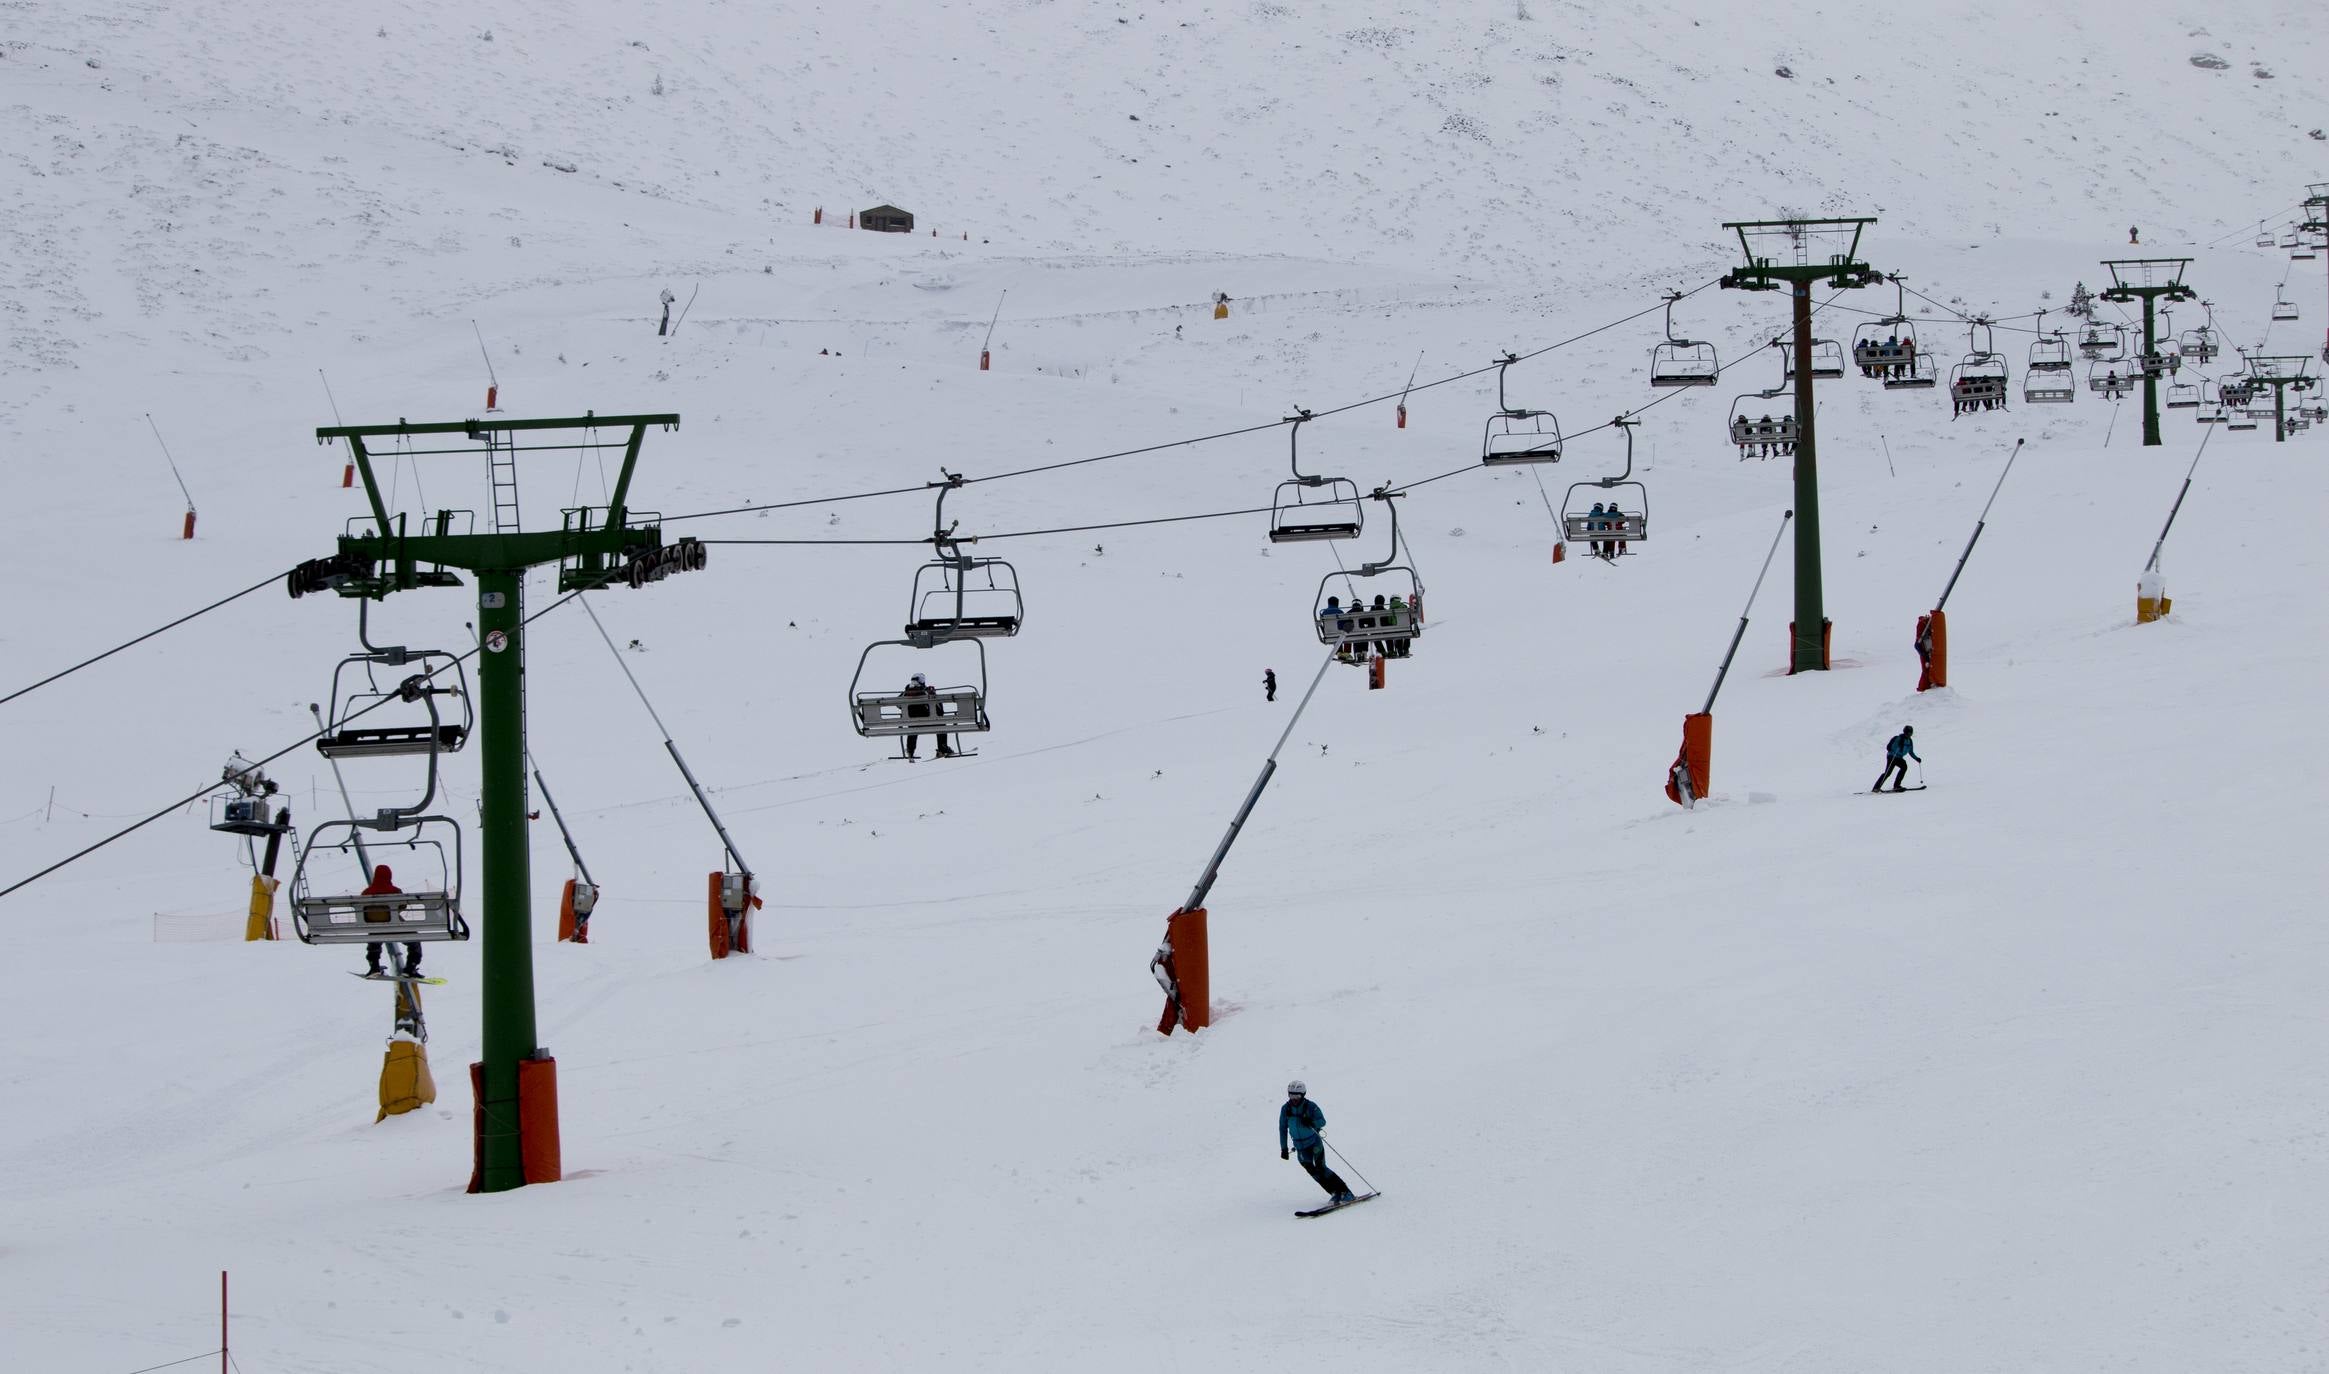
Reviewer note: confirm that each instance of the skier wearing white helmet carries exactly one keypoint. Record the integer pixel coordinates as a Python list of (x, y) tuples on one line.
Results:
[(1300, 1121)]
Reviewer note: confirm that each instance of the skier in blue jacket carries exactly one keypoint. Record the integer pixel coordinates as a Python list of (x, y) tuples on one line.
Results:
[(1301, 1120), (1897, 752)]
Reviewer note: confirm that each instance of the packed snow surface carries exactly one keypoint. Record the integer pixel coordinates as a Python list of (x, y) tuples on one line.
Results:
[(2020, 1072)]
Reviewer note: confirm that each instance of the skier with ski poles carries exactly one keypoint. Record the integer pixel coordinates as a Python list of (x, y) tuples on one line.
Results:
[(1301, 1121), (1897, 752)]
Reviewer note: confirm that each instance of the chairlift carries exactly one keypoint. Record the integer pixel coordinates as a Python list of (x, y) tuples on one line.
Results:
[(1608, 527), (1979, 381), (917, 707), (1827, 360), (2264, 238), (331, 903), (957, 596), (1763, 436), (1308, 507), (1526, 436), (2102, 343), (1340, 612), (2183, 396), (1678, 361), (1886, 348), (2111, 384), (2050, 353), (2283, 308), (2241, 419), (434, 673), (2049, 388), (2304, 250), (2199, 344)]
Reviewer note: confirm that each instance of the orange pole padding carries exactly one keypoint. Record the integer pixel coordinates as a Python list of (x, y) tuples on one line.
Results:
[(1402, 415), (1827, 646), (1933, 650), (1221, 310), (1375, 673), (538, 1120), (853, 219), (719, 919), (1561, 552), (569, 929), (477, 1127), (188, 531), (406, 1085), (1189, 966), (261, 923), (819, 216), (348, 474), (984, 360), (493, 397), (1686, 777)]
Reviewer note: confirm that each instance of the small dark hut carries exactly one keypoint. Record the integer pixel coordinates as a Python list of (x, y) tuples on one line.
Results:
[(886, 219)]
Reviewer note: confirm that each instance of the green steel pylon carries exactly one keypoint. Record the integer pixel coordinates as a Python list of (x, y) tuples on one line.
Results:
[(593, 548), (1792, 254), (2149, 280)]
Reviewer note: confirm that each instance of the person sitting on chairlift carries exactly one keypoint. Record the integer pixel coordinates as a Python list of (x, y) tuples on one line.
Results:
[(1616, 526), (1402, 614), (384, 885), (919, 686)]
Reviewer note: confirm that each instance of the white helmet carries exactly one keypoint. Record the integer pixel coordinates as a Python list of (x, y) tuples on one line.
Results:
[(1297, 1088), (917, 678)]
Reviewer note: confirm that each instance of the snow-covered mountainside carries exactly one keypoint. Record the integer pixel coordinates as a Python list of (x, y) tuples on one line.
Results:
[(2016, 1072)]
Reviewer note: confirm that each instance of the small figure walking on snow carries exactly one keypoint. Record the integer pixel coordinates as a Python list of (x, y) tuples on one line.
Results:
[(1897, 752), (1269, 684), (665, 327), (1300, 1121), (2133, 236)]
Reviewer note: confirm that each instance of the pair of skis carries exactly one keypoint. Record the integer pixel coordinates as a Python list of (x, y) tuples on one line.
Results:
[(1338, 1206)]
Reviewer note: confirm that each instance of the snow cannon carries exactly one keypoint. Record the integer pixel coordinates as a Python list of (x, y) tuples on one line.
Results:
[(574, 907), (1932, 650), (2151, 599)]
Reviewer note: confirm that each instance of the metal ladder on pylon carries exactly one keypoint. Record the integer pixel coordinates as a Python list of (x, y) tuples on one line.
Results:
[(502, 453)]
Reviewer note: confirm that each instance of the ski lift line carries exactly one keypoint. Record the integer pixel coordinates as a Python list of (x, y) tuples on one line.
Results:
[(173, 462), (1240, 432), (2237, 233), (208, 787), (363, 859), (268, 580)]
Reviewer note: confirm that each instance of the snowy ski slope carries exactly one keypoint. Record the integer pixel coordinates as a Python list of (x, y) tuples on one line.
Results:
[(2016, 1073)]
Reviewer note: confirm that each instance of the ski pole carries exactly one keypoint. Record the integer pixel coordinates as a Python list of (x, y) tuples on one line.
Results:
[(1362, 1178)]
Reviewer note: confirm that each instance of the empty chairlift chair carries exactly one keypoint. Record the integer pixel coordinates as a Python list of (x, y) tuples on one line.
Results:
[(1514, 436), (1310, 508), (1677, 361), (1827, 360), (364, 725), (957, 596), (2183, 396), (2283, 308)]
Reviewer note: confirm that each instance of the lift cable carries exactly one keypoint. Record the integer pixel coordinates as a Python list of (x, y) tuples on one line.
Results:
[(1200, 439), (271, 577), (212, 786)]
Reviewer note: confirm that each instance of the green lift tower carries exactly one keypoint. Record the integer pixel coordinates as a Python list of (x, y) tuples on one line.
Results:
[(2149, 280), (516, 1123), (1791, 254), (2283, 374)]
